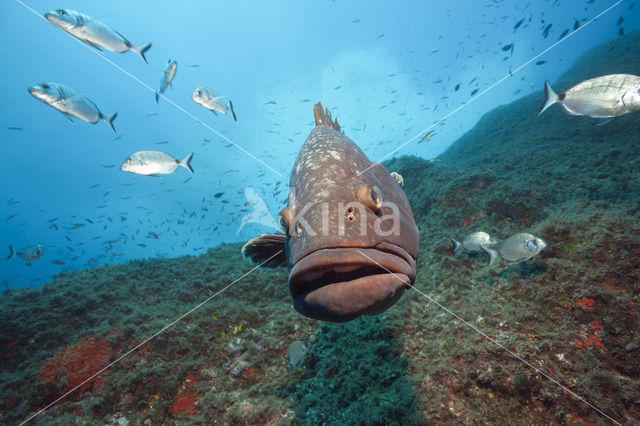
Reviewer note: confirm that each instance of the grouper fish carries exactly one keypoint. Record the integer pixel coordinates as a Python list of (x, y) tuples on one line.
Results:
[(350, 240)]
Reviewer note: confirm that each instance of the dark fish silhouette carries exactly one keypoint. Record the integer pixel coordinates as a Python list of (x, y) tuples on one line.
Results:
[(517, 25), (350, 238)]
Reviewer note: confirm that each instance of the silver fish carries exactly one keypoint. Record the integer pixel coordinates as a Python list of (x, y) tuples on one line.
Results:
[(296, 353), (398, 177), (28, 254), (167, 78), (70, 103), (154, 163), (474, 241), (93, 33), (516, 248), (601, 97), (209, 99)]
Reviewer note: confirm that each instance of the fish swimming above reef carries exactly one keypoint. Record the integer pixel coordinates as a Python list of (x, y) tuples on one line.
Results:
[(167, 78), (28, 254), (209, 99), (350, 240), (474, 241), (296, 352), (601, 97), (93, 33), (149, 163), (516, 248), (70, 103), (427, 136), (398, 177)]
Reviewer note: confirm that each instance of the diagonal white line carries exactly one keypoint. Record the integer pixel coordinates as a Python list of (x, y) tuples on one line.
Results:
[(100, 55), (153, 336), (537, 370), (492, 86)]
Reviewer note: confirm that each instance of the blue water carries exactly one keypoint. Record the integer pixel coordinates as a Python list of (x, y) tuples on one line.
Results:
[(388, 72)]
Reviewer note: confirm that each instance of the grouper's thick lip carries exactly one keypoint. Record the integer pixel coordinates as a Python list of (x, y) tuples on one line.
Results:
[(339, 284)]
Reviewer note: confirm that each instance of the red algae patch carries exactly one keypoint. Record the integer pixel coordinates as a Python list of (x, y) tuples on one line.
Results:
[(75, 364), (184, 405)]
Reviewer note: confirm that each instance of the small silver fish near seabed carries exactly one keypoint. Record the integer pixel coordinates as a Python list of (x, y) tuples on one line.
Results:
[(209, 99), (517, 247), (296, 352), (398, 177), (601, 97), (474, 241), (70, 103), (93, 33), (167, 78), (150, 163), (28, 254)]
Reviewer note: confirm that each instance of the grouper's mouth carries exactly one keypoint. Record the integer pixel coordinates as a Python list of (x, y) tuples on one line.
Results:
[(340, 284)]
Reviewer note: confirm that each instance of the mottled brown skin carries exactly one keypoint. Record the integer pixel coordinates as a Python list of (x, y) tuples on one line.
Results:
[(338, 272)]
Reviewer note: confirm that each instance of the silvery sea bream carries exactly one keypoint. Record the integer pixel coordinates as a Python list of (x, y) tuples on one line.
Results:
[(474, 241), (350, 239), (93, 32), (167, 78), (209, 99), (296, 352), (28, 254), (516, 248), (601, 97), (148, 163), (70, 103)]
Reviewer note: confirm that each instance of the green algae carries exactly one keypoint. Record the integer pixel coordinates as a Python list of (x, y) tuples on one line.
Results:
[(355, 374)]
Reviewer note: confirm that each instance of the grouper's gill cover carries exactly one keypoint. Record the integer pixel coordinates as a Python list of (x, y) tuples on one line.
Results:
[(351, 239)]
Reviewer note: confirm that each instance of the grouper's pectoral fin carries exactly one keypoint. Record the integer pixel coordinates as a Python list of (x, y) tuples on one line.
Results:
[(323, 117), (267, 248)]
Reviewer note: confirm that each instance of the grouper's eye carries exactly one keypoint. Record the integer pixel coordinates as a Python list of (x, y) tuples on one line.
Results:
[(371, 197), (285, 218)]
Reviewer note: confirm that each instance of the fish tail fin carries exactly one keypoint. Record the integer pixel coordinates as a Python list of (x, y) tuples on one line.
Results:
[(267, 248), (457, 243), (157, 97), (109, 120), (550, 97), (491, 252), (141, 50), (186, 162), (11, 252), (233, 113), (323, 117)]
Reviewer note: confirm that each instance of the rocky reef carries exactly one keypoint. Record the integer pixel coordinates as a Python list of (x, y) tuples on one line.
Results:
[(482, 344)]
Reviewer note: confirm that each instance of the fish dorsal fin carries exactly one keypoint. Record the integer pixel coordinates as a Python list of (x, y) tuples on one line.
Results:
[(267, 247), (323, 117)]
